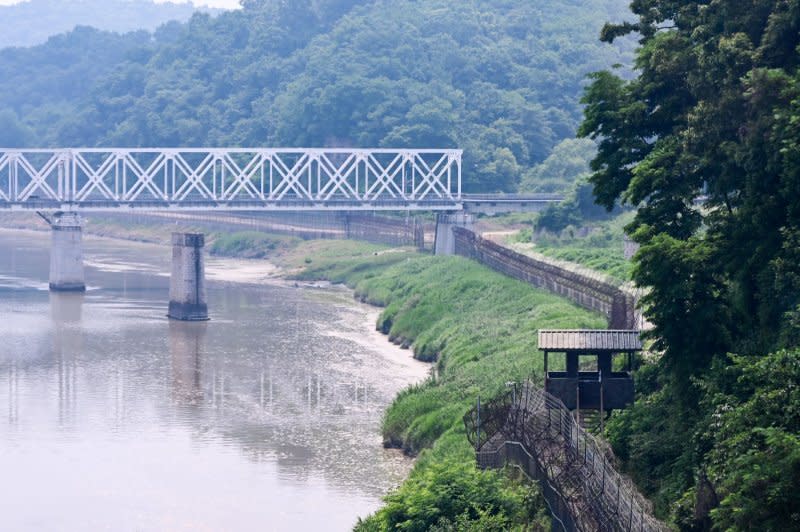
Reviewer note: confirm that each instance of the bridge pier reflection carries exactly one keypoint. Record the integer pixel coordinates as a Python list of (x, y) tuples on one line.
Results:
[(187, 348), (66, 311)]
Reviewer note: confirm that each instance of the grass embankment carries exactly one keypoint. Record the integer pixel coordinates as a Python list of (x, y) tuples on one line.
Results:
[(480, 328), (597, 246), (250, 244)]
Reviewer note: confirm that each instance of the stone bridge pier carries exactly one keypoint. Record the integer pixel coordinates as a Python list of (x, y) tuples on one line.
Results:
[(445, 243), (187, 285), (66, 253)]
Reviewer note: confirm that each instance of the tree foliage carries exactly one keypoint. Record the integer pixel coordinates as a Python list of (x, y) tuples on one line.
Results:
[(711, 117), (754, 435), (578, 208), (567, 163), (452, 494), (704, 142)]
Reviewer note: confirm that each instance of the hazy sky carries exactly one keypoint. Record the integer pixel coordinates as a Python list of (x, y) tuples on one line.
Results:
[(212, 3)]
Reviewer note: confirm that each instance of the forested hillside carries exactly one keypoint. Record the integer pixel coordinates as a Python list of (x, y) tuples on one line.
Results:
[(34, 21), (499, 78), (47, 85)]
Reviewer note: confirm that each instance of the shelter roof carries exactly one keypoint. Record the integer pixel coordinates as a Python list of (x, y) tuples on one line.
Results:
[(589, 340)]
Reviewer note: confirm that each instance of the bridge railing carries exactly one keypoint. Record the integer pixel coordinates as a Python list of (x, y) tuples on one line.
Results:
[(201, 176), (538, 197)]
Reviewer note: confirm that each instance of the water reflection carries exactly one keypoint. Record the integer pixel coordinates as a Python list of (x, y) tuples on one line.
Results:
[(66, 312), (271, 409), (13, 394), (66, 307), (186, 348)]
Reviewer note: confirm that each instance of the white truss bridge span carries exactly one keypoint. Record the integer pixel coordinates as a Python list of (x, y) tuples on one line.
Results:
[(107, 179)]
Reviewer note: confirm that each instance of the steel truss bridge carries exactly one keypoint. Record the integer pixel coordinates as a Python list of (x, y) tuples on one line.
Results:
[(98, 179), (244, 179)]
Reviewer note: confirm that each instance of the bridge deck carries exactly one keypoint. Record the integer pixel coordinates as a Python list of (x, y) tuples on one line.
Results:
[(252, 205)]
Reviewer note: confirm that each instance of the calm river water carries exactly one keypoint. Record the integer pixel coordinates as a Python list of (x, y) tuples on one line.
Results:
[(114, 418)]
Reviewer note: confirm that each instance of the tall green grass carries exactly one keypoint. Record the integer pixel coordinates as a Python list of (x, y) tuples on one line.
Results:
[(601, 249), (479, 326), (249, 244)]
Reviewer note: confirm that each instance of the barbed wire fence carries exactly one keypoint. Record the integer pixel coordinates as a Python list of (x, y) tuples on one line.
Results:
[(534, 431)]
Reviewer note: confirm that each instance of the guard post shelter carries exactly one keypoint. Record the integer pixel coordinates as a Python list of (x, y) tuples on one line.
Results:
[(598, 387)]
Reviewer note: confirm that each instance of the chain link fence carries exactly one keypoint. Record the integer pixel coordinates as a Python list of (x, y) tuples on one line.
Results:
[(534, 431)]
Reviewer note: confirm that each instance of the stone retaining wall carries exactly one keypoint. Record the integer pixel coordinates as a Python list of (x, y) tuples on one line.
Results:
[(589, 293)]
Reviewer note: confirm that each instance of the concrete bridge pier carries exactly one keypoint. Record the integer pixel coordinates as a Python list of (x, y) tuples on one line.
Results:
[(445, 243), (187, 285), (66, 254)]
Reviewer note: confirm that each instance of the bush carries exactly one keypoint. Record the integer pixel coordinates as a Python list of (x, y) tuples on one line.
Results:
[(453, 495), (731, 463)]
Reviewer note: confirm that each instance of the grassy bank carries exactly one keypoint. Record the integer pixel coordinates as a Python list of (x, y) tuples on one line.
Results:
[(480, 328), (250, 244), (598, 246)]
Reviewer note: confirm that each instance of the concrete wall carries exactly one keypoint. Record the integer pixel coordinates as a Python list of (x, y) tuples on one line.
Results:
[(445, 242), (588, 293)]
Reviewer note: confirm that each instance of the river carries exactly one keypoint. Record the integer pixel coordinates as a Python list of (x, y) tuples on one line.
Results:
[(114, 418)]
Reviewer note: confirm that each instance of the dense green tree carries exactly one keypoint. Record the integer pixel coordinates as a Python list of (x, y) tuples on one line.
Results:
[(703, 141), (708, 117), (452, 495), (567, 163), (577, 209), (754, 435), (13, 134)]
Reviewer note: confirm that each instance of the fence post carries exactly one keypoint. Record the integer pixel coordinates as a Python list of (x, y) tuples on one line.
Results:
[(478, 426), (602, 410), (603, 482), (630, 520)]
